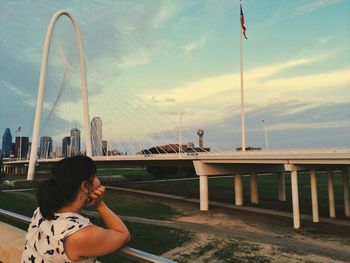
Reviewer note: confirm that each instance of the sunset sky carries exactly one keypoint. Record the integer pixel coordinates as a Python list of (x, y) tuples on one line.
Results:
[(149, 61)]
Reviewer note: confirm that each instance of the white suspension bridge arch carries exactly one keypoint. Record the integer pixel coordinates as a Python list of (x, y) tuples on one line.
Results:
[(41, 90)]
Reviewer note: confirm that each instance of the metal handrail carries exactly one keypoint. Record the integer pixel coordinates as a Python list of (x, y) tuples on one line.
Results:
[(127, 252)]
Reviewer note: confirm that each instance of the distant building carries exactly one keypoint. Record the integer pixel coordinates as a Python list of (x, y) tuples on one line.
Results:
[(96, 136), (29, 149), (7, 143), (104, 148), (21, 147), (13, 149), (75, 142), (45, 147), (200, 134), (58, 151), (249, 148), (114, 152), (66, 149), (174, 148)]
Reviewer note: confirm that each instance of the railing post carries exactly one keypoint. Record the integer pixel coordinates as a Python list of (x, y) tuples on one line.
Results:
[(295, 199), (314, 199), (238, 190), (203, 193)]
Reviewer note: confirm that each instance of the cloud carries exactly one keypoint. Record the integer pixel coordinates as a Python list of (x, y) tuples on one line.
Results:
[(304, 9), (192, 46), (211, 99), (324, 40), (12, 88), (167, 10), (315, 5), (313, 125), (140, 57), (170, 100)]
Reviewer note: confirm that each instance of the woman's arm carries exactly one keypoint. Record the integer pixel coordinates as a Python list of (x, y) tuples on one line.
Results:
[(97, 241), (111, 220)]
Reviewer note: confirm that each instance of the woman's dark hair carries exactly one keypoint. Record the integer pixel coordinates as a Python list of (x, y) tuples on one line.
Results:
[(62, 188)]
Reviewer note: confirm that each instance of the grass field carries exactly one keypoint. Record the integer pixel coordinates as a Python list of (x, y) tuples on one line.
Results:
[(268, 185), (130, 173), (222, 189)]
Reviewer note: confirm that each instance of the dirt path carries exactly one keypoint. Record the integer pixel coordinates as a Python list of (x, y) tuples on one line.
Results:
[(245, 233)]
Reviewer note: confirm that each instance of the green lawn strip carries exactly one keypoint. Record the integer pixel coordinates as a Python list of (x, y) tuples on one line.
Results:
[(20, 204), (267, 185), (128, 205), (133, 174), (123, 204), (151, 239)]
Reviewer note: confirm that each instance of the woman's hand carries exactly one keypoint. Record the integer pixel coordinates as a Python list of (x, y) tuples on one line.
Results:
[(97, 195)]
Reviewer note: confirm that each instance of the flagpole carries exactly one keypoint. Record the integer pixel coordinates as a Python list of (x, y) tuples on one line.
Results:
[(242, 91)]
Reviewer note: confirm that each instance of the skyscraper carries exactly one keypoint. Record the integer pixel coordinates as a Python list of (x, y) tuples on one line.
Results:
[(7, 142), (23, 144), (45, 147), (58, 152), (104, 148), (66, 147), (96, 136), (75, 141)]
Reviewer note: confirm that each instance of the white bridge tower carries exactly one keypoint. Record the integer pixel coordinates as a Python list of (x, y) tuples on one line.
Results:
[(41, 90)]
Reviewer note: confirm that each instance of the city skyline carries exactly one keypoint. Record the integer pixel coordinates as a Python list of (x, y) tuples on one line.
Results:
[(184, 57)]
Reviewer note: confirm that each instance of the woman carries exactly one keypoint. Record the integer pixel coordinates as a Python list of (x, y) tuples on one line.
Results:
[(58, 233)]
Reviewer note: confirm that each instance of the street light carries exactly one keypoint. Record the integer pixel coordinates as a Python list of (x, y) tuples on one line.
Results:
[(265, 129)]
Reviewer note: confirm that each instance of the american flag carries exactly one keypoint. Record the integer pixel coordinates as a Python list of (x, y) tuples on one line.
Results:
[(18, 129), (242, 23)]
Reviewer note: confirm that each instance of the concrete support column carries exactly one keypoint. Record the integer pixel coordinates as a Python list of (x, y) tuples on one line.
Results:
[(281, 187), (238, 190), (346, 191), (295, 199), (314, 199), (331, 194), (203, 193), (254, 196)]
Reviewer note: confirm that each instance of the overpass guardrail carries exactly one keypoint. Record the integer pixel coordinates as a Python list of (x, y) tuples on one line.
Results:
[(126, 252)]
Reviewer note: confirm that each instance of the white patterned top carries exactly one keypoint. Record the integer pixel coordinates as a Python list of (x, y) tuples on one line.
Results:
[(44, 240)]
